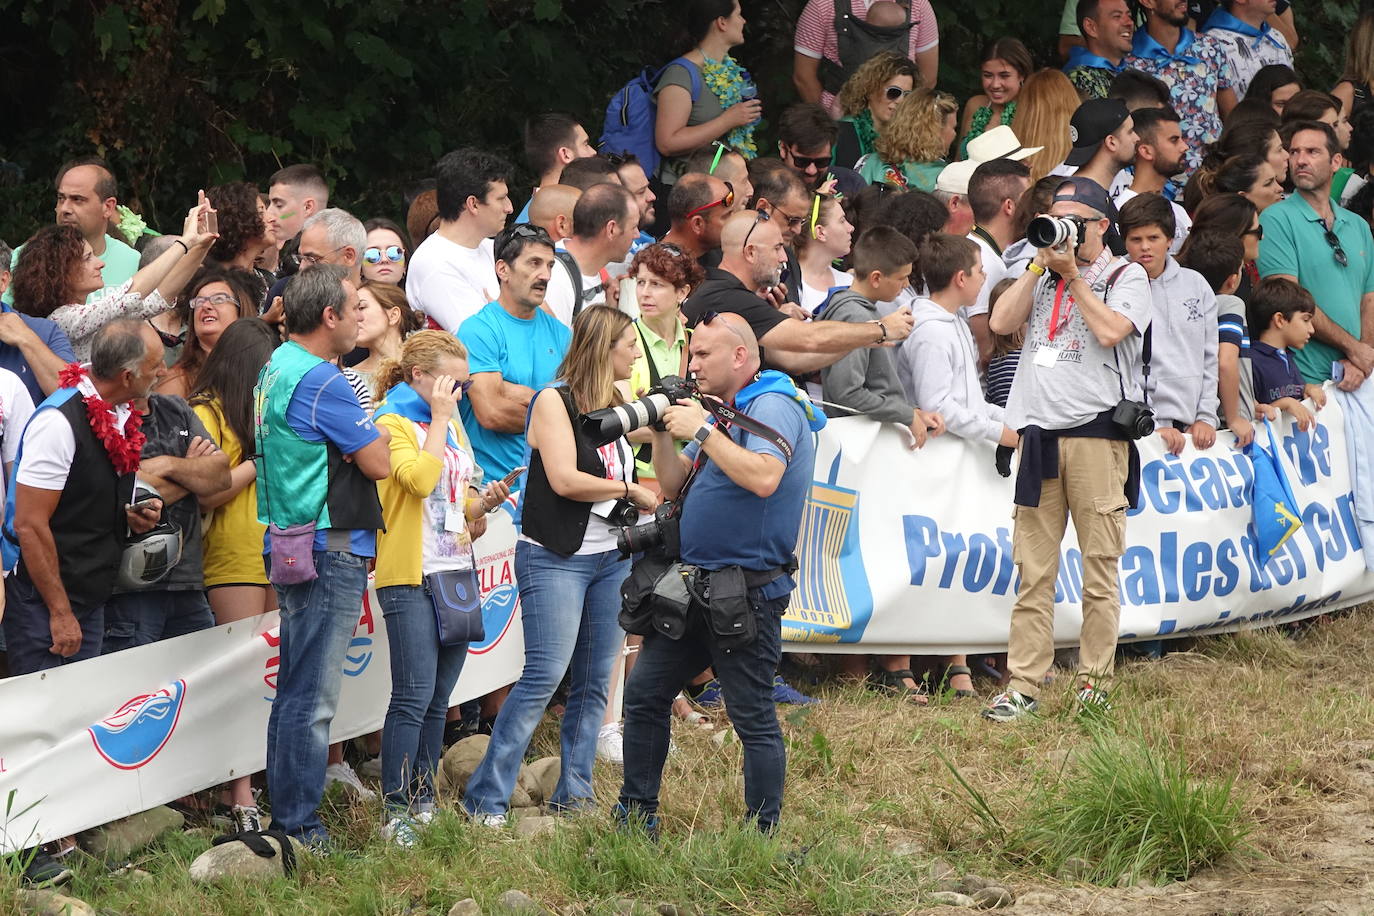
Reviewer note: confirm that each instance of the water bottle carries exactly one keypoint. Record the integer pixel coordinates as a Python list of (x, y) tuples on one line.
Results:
[(748, 93)]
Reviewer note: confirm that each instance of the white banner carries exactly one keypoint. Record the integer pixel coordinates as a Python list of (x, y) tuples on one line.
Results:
[(901, 552)]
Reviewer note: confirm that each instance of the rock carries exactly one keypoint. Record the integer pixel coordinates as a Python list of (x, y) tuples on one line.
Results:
[(51, 903), (1042, 899), (138, 875), (950, 884), (535, 826), (725, 736), (950, 898), (1075, 869), (907, 850), (459, 763), (529, 811), (971, 884), (515, 902), (543, 778), (520, 798), (675, 909), (527, 781), (116, 841), (466, 907), (201, 833), (939, 868), (992, 897), (235, 860)]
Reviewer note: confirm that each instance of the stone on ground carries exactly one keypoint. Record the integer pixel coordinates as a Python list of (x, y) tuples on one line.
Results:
[(535, 826), (116, 841), (993, 897), (466, 907), (517, 903), (459, 763), (951, 898), (51, 903), (543, 775), (235, 860)]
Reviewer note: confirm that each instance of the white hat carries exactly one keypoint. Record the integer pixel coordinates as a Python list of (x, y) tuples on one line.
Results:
[(955, 176), (999, 143)]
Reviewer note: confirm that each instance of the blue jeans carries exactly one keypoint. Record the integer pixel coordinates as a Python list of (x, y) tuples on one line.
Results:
[(423, 673), (317, 623), (141, 618), (745, 675), (569, 608)]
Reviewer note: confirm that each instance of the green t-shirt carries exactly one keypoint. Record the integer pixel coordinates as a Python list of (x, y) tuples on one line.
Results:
[(121, 263)]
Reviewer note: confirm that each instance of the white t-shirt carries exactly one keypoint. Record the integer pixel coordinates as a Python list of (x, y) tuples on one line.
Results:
[(16, 407), (451, 283), (995, 269), (559, 297), (1182, 221), (811, 298), (50, 446)]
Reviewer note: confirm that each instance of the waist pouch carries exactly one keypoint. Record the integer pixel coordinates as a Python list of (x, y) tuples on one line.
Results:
[(729, 613), (293, 554), (654, 598)]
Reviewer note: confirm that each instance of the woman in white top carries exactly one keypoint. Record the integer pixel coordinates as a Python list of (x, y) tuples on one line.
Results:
[(57, 271), (825, 237), (567, 567)]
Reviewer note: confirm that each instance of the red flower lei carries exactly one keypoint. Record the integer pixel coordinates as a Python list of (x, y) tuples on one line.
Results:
[(124, 450)]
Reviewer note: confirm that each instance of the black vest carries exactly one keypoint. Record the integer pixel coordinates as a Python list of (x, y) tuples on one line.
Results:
[(557, 522), (88, 525)]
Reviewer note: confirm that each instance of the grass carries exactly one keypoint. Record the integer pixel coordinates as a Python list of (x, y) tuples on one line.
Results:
[(1228, 753)]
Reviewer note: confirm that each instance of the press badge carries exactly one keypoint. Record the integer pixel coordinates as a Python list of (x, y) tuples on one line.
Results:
[(1047, 357)]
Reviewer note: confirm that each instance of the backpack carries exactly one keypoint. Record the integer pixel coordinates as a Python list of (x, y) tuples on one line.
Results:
[(632, 113), (856, 41), (581, 294)]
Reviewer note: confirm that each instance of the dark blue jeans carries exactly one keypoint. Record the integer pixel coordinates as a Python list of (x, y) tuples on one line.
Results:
[(423, 673), (745, 675), (317, 623), (28, 631), (140, 618)]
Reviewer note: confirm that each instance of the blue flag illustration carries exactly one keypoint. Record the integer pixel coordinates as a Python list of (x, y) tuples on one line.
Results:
[(1276, 510)]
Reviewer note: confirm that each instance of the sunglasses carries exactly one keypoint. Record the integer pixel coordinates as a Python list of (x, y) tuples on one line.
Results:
[(393, 253), (169, 340), (727, 201), (721, 150), (793, 222), (458, 386), (1257, 232), (895, 93), (1336, 248), (216, 300), (708, 317), (519, 231), (819, 163)]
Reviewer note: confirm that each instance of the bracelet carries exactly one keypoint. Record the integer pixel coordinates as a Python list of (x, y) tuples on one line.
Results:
[(185, 247), (1035, 269), (883, 328), (1068, 280), (627, 488)]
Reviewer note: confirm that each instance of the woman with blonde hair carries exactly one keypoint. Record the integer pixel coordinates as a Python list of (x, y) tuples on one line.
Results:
[(576, 496), (1044, 107), (912, 148), (428, 503), (869, 99)]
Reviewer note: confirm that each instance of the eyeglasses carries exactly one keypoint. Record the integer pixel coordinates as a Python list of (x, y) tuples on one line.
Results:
[(1257, 232), (461, 386), (393, 253), (727, 201), (216, 300), (802, 163), (708, 317), (760, 216), (168, 340), (894, 93), (671, 249), (312, 259), (793, 222), (1336, 248), (815, 213), (509, 236)]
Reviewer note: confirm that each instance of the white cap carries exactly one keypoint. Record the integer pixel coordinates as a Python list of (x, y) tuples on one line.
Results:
[(954, 177)]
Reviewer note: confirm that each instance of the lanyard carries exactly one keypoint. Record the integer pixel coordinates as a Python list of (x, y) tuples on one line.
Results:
[(1055, 324)]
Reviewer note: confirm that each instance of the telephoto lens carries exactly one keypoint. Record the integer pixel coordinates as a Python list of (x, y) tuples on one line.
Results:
[(1052, 232), (610, 423)]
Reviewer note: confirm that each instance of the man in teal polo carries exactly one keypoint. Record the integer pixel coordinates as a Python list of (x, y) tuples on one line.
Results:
[(1327, 250)]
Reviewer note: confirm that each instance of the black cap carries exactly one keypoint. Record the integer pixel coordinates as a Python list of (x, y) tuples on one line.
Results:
[(1093, 122), (1087, 192)]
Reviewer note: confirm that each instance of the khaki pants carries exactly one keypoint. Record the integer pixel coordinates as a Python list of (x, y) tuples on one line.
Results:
[(1090, 487)]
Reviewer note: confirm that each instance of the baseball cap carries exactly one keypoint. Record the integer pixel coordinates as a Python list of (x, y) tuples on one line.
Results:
[(1087, 192), (954, 177), (999, 143), (1092, 123)]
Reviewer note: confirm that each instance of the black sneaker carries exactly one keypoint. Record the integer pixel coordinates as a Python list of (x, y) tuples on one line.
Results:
[(42, 870)]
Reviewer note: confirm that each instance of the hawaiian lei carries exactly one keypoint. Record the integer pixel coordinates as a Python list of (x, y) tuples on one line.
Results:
[(124, 448), (981, 116), (727, 79)]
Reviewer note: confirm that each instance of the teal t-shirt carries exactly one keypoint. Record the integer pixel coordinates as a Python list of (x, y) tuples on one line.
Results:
[(1295, 244), (525, 351), (121, 263)]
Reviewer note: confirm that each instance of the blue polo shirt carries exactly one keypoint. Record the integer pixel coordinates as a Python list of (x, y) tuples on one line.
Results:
[(12, 358), (1295, 244), (1275, 372)]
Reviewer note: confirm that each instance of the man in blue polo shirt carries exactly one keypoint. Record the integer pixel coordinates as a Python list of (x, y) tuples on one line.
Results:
[(514, 349), (1329, 252)]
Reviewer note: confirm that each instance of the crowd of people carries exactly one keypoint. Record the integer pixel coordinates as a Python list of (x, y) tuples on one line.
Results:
[(1165, 233)]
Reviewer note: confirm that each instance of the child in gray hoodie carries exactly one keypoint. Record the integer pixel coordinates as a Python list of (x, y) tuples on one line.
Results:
[(1182, 385), (938, 364)]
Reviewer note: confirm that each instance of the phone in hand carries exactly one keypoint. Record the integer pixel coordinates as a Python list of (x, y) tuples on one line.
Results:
[(513, 476), (142, 501), (208, 223)]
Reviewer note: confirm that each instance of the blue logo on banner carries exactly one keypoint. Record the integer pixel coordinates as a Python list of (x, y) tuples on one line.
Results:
[(138, 730), (498, 610), (832, 602), (358, 656)]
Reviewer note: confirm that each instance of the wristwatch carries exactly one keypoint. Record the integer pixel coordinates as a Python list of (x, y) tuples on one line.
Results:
[(1035, 269), (703, 433)]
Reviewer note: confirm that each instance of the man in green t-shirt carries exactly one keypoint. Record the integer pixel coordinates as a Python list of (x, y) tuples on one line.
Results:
[(87, 195)]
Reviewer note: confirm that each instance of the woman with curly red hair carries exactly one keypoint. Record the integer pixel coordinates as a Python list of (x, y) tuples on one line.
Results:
[(58, 274)]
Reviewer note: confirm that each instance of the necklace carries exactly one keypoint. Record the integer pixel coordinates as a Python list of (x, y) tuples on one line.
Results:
[(123, 446), (728, 81)]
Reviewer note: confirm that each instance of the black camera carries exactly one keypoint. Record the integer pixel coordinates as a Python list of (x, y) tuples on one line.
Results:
[(610, 423), (659, 533), (1134, 419)]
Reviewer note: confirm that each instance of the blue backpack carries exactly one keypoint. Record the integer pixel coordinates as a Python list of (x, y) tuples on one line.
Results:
[(630, 117)]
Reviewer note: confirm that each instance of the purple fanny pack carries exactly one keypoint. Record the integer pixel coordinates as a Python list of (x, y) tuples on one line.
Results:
[(293, 554)]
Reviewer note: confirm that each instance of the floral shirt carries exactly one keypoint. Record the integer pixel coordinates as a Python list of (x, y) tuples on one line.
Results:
[(80, 321), (1196, 70)]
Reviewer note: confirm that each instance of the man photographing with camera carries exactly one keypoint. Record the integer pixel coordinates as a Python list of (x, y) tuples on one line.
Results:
[(741, 487), (1076, 403)]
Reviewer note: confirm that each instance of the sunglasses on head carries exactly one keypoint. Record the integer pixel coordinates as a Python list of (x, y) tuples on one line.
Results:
[(168, 340), (760, 216), (1257, 232), (727, 201), (815, 213), (896, 93), (519, 231), (1336, 248), (393, 253)]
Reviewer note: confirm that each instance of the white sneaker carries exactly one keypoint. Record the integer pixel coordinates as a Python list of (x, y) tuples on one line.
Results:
[(610, 743), (401, 831), (423, 814), (490, 821), (343, 774)]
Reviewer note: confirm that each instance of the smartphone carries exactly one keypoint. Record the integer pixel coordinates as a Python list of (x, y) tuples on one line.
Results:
[(513, 476), (209, 223), (141, 501)]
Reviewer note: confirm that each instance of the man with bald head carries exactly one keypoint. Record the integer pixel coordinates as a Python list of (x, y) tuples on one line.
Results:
[(738, 526), (552, 209), (752, 257), (697, 208)]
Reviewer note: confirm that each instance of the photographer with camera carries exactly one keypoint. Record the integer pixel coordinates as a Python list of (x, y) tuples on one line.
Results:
[(739, 489), (1075, 402), (578, 493)]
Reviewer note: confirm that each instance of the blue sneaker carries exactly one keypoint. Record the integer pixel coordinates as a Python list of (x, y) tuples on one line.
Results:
[(784, 692), (626, 821), (709, 696)]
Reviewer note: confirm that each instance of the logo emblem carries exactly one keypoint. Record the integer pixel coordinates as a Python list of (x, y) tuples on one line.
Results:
[(498, 611), (1073, 135), (139, 729)]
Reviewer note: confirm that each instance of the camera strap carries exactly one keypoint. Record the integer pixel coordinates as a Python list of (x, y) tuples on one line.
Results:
[(727, 414)]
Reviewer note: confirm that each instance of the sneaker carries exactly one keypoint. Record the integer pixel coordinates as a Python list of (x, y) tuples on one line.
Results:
[(1094, 698), (42, 870), (610, 743), (371, 768), (1009, 706), (625, 821), (401, 831), (423, 813), (343, 774), (709, 696), (247, 819), (490, 821), (784, 692)]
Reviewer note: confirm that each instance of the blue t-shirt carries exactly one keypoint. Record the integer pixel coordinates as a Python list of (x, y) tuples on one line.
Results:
[(1276, 373), (762, 533), (523, 351), (53, 338), (324, 407)]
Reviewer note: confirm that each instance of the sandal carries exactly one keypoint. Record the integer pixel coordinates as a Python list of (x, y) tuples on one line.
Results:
[(894, 682), (953, 671)]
